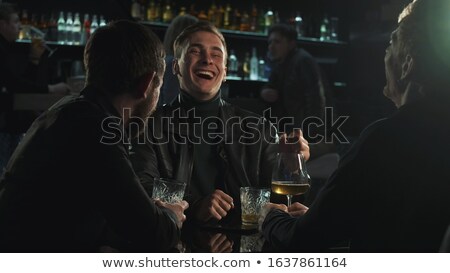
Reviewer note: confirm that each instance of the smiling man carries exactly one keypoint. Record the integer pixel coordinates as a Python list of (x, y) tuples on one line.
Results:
[(212, 146)]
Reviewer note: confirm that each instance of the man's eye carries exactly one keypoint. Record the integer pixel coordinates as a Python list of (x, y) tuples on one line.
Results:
[(195, 51)]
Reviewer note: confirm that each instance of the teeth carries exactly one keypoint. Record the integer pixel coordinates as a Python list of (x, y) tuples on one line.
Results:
[(206, 73)]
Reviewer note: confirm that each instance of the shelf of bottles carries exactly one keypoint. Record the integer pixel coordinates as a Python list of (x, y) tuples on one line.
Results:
[(232, 21), (66, 29)]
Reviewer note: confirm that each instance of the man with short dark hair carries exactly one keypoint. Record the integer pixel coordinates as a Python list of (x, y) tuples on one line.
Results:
[(70, 181), (391, 191)]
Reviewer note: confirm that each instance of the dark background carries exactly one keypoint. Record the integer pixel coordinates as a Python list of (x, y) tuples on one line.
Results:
[(357, 64)]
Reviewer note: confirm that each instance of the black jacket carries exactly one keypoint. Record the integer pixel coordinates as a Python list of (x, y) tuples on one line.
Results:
[(17, 75), (64, 186), (389, 194), (247, 151)]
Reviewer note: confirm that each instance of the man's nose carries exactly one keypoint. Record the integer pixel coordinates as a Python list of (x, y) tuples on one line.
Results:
[(206, 58)]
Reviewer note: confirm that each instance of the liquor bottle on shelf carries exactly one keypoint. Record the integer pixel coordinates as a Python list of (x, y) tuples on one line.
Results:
[(269, 19), (298, 21), (325, 29), (254, 66), (167, 14), (246, 67), (245, 22), (219, 17), (62, 31), (254, 19), (94, 24), (86, 29), (232, 64), (76, 29), (202, 16), (25, 29), (212, 13), (334, 29), (43, 24), (150, 12), (235, 20), (136, 10), (261, 21), (261, 69), (52, 26), (69, 26), (193, 11), (102, 21), (227, 17), (182, 11)]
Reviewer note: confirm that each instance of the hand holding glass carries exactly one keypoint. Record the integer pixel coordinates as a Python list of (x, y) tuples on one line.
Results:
[(168, 190), (290, 176), (252, 200)]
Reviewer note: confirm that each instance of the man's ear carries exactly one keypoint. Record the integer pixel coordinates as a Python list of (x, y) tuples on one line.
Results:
[(225, 74), (175, 67), (407, 67), (144, 82)]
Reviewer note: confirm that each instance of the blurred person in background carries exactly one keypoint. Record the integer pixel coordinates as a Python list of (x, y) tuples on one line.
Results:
[(171, 87), (18, 74)]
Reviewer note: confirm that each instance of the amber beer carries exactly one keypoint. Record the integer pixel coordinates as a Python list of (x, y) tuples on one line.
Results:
[(250, 218), (287, 187)]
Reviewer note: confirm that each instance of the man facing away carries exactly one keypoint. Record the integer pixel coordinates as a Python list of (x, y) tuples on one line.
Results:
[(70, 181), (390, 193), (199, 139)]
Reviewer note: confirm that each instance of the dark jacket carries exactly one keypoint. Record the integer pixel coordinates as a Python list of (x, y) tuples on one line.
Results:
[(389, 194), (247, 151), (71, 178), (17, 75)]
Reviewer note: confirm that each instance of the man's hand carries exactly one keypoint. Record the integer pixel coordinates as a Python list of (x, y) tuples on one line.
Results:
[(295, 143), (219, 243), (266, 209), (214, 206), (269, 95), (177, 208), (297, 209)]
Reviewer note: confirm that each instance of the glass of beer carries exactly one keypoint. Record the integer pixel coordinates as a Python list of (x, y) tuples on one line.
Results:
[(252, 200), (290, 176)]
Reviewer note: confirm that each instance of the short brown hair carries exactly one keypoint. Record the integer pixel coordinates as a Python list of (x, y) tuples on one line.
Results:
[(184, 36), (119, 54)]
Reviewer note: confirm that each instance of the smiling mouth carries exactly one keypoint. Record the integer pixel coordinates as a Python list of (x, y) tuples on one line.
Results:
[(208, 75)]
